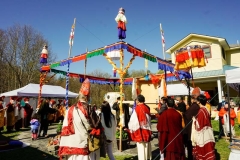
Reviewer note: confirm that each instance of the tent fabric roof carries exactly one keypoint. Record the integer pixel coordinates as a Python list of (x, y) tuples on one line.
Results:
[(32, 90), (233, 76), (214, 72)]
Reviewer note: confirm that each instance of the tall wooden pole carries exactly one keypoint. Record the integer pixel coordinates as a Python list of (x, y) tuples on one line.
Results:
[(121, 97), (121, 71)]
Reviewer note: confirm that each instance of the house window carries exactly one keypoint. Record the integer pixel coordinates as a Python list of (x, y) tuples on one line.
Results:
[(207, 51)]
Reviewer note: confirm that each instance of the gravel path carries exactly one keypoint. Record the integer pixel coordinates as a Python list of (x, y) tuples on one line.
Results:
[(41, 143)]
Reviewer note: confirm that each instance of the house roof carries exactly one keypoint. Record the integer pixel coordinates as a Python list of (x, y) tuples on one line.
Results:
[(222, 41), (214, 73), (234, 45)]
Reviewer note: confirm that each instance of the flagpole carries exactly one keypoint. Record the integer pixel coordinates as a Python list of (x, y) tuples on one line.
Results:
[(163, 41), (69, 55), (71, 38)]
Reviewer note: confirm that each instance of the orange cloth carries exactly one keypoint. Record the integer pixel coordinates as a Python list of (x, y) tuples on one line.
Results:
[(122, 25), (238, 116), (222, 112), (184, 61), (183, 123)]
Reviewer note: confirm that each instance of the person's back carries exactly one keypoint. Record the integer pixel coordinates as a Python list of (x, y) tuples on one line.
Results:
[(173, 120), (171, 138)]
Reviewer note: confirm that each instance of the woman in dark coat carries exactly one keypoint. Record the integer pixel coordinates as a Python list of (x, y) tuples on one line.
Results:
[(43, 111)]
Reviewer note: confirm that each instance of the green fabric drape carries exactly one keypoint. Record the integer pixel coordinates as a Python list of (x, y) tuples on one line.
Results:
[(95, 53), (55, 65), (59, 72), (150, 58)]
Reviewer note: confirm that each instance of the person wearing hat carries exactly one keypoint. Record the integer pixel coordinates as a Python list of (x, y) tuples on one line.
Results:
[(10, 114), (2, 113), (188, 115), (28, 110), (79, 120)]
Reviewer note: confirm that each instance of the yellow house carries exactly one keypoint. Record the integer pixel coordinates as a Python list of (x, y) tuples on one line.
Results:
[(220, 57)]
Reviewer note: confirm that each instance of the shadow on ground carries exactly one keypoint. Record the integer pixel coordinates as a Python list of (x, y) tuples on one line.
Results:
[(18, 153), (155, 155)]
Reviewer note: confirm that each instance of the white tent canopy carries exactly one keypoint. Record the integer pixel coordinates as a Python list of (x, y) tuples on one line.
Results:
[(32, 90), (233, 78), (177, 90)]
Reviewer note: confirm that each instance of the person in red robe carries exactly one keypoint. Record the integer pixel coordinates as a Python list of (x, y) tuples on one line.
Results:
[(202, 137), (171, 139), (28, 110), (140, 128)]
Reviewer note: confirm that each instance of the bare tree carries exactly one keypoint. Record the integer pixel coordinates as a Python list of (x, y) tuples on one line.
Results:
[(22, 54), (3, 64), (137, 73)]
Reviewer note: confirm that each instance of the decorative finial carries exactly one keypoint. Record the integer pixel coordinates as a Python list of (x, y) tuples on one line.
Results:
[(121, 20), (44, 54)]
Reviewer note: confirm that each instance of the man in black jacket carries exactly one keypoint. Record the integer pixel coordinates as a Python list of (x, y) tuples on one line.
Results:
[(117, 109)]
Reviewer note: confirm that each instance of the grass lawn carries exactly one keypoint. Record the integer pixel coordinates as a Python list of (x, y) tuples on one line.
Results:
[(222, 144)]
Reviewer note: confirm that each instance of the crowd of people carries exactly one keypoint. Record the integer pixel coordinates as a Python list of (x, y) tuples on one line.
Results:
[(184, 127), (18, 113), (15, 114)]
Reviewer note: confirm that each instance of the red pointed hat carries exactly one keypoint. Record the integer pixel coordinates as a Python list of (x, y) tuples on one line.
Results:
[(85, 88)]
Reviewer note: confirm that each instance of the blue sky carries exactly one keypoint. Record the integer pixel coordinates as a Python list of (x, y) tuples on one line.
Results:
[(96, 26)]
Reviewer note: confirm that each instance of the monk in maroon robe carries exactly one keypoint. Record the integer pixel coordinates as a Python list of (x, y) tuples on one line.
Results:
[(191, 112), (28, 110), (171, 139)]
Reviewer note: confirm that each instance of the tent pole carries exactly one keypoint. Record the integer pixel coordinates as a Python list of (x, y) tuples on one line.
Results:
[(229, 110)]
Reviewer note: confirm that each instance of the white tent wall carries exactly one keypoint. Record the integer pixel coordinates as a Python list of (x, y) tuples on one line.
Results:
[(177, 90), (233, 76)]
